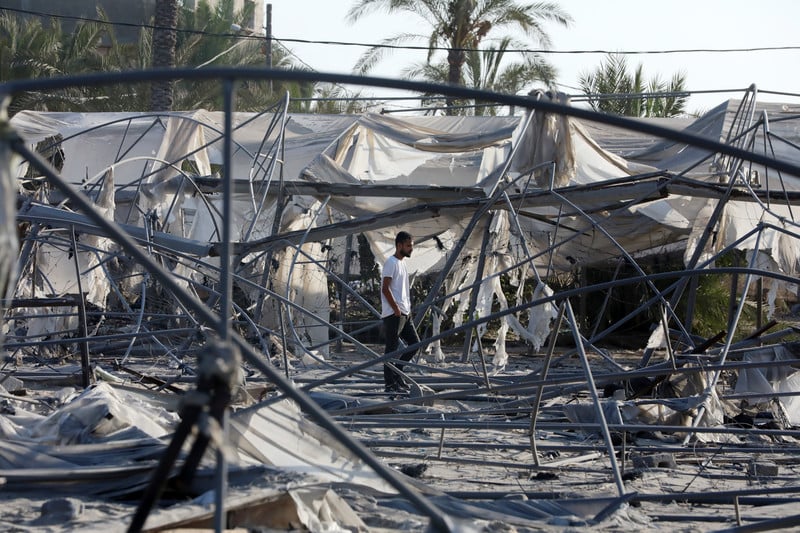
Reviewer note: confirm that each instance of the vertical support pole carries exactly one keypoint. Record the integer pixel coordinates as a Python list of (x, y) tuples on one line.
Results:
[(226, 280), (543, 376), (733, 322), (83, 331), (86, 371), (476, 287), (226, 289), (348, 250), (599, 314), (596, 399), (268, 37), (280, 204)]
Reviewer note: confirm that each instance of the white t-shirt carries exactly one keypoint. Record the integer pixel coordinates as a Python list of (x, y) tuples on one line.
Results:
[(396, 269)]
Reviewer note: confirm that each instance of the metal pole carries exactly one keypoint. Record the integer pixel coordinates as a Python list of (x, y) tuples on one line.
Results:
[(348, 249), (226, 290), (268, 37), (601, 418), (474, 291), (543, 376), (439, 520), (80, 302)]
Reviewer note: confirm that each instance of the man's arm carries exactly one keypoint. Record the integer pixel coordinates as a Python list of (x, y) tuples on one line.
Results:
[(387, 293)]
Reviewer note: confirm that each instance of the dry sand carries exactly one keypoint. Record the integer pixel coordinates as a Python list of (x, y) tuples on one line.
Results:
[(471, 454)]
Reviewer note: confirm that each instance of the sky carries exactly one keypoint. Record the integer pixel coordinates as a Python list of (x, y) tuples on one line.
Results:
[(613, 26)]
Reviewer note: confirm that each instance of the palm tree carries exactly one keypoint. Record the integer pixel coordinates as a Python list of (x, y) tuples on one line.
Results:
[(513, 78), (333, 99), (210, 40), (164, 40), (459, 26), (29, 49), (612, 88), (484, 70)]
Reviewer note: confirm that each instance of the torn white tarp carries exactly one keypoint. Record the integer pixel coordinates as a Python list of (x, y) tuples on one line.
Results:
[(100, 413), (772, 379), (546, 145), (60, 270), (279, 435), (419, 152), (181, 137), (691, 406), (265, 505)]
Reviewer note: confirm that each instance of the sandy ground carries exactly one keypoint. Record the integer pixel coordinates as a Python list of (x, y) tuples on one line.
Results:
[(471, 455)]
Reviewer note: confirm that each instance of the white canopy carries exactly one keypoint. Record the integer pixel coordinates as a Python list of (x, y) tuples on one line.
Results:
[(430, 176)]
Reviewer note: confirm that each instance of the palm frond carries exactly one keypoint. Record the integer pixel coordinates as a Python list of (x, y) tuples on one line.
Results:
[(374, 54), (633, 94), (462, 25)]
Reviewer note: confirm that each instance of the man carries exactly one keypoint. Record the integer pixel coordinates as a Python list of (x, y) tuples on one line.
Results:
[(396, 310)]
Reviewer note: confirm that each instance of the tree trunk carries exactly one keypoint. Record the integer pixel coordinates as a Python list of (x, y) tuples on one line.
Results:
[(164, 39), (455, 60)]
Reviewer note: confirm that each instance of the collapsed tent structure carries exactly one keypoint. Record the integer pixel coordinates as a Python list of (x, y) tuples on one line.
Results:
[(243, 254)]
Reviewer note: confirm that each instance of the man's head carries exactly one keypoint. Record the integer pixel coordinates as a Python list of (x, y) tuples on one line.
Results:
[(403, 245)]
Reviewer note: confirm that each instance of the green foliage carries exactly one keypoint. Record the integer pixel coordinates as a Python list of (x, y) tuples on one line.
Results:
[(330, 99), (485, 70), (613, 88), (207, 39), (714, 305), (29, 50), (712, 297), (458, 26)]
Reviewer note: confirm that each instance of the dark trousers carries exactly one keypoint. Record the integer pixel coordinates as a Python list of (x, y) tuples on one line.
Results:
[(396, 328)]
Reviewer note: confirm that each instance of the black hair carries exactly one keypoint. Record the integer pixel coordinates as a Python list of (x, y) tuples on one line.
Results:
[(402, 237)]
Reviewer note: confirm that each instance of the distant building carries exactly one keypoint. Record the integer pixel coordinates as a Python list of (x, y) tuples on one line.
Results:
[(130, 13)]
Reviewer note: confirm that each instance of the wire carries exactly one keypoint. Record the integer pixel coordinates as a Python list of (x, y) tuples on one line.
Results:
[(408, 47), (288, 51), (546, 51), (280, 42), (129, 24)]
